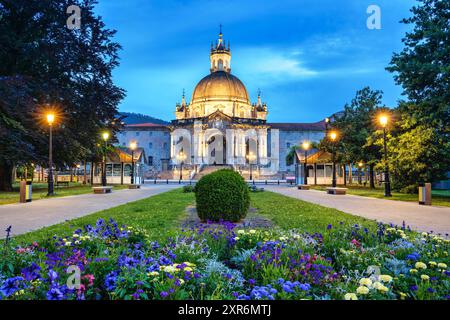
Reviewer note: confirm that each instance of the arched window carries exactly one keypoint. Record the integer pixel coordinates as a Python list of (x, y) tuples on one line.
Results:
[(220, 64)]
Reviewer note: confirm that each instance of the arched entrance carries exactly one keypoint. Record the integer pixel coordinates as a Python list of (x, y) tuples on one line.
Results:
[(216, 149)]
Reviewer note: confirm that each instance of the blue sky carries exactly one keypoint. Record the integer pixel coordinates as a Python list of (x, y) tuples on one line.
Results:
[(308, 57)]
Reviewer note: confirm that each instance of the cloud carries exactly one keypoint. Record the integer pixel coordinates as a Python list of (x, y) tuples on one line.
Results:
[(271, 65)]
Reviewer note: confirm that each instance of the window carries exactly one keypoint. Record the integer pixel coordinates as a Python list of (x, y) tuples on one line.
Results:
[(150, 133), (137, 133), (124, 144), (150, 160), (288, 145), (150, 145), (165, 145), (166, 133)]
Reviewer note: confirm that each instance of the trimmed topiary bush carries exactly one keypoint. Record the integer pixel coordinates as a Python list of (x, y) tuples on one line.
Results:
[(222, 195)]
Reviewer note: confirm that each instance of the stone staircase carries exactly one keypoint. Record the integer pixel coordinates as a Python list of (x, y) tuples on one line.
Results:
[(209, 169)]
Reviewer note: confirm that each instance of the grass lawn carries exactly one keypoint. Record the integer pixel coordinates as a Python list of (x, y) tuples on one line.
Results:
[(160, 215), (439, 197), (40, 191), (291, 213)]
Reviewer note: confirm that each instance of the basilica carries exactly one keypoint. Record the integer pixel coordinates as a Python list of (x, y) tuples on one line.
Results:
[(221, 126)]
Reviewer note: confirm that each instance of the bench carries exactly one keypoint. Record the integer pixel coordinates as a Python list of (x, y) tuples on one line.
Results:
[(134, 186), (303, 187), (331, 190), (101, 190), (62, 183)]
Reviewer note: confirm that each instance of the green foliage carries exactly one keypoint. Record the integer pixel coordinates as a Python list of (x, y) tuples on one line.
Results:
[(188, 189), (417, 155), (422, 145), (47, 66), (222, 195)]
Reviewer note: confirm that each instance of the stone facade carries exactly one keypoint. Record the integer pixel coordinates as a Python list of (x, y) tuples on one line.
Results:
[(154, 139)]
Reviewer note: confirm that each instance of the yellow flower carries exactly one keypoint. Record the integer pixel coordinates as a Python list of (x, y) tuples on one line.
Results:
[(385, 278), (252, 231), (420, 265), (350, 296), (153, 274), (75, 235), (442, 265), (365, 282), (362, 290), (189, 264), (236, 238), (402, 295), (241, 232), (170, 269), (188, 269), (413, 271), (425, 277), (68, 243), (432, 263), (379, 286)]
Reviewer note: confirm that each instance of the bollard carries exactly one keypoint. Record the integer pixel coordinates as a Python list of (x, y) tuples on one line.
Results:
[(26, 193), (425, 194)]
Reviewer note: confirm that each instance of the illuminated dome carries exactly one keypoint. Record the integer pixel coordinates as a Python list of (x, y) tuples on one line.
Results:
[(220, 85)]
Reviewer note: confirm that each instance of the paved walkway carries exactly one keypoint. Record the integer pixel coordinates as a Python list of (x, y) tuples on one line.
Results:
[(25, 217), (421, 218)]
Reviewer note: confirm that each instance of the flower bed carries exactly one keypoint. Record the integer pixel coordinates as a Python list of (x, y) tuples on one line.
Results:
[(220, 261)]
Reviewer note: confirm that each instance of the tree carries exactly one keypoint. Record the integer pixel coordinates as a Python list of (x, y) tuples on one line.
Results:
[(354, 126), (51, 66), (421, 149)]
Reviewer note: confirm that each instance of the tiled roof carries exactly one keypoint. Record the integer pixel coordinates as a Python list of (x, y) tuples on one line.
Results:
[(316, 126)]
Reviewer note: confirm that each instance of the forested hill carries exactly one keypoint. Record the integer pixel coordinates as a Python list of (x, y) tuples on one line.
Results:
[(134, 118)]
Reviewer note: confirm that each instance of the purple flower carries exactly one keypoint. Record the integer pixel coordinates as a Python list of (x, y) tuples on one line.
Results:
[(55, 294), (11, 285), (32, 272), (164, 294), (329, 227)]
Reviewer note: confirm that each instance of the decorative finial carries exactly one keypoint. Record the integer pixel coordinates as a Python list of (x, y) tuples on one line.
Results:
[(220, 28), (259, 97)]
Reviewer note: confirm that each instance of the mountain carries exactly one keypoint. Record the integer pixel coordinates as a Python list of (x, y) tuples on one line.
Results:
[(134, 118)]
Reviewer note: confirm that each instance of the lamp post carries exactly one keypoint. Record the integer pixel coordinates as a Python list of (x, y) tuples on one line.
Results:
[(50, 120), (333, 137), (305, 147), (105, 136), (360, 164), (387, 184), (133, 146), (78, 172), (251, 157), (181, 157)]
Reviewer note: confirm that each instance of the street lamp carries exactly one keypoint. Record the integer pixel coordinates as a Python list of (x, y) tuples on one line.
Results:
[(251, 157), (333, 136), (387, 184), (133, 146), (360, 165), (181, 157), (105, 136), (306, 145), (50, 121)]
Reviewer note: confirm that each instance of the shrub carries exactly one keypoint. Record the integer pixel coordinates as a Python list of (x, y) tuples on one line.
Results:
[(222, 195), (188, 189)]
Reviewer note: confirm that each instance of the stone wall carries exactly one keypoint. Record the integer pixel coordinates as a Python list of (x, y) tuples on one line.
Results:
[(155, 141)]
